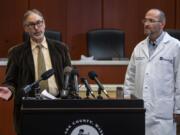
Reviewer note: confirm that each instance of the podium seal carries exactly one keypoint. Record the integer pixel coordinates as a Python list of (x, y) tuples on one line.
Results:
[(83, 127)]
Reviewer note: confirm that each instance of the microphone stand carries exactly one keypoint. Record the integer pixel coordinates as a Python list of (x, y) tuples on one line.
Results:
[(99, 93), (37, 91), (87, 94), (72, 92), (74, 95)]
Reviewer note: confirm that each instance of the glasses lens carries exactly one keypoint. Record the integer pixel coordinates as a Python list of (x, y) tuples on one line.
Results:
[(32, 25), (149, 21)]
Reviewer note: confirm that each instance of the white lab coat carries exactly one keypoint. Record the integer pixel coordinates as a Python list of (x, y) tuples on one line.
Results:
[(156, 79)]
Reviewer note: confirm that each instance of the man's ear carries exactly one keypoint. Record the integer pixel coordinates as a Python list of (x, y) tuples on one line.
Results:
[(163, 24)]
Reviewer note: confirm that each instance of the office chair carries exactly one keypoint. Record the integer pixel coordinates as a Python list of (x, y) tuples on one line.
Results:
[(106, 44), (49, 34), (174, 32)]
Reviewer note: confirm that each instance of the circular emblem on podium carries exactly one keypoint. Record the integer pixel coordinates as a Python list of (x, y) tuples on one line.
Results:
[(83, 127)]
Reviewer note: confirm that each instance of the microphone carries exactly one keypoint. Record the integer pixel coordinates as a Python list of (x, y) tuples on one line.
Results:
[(75, 76), (67, 74), (44, 76), (93, 76), (86, 84), (47, 74)]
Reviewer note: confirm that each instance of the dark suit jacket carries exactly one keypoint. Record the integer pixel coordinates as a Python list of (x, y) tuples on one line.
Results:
[(20, 70)]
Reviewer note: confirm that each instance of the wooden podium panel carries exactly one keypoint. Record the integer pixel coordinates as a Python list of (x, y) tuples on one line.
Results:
[(87, 117)]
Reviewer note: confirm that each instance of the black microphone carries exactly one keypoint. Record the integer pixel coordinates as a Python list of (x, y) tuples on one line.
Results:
[(93, 76), (86, 84), (67, 74), (44, 76), (47, 74), (75, 76)]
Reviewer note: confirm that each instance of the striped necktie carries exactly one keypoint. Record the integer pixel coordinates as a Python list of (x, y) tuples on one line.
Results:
[(41, 67)]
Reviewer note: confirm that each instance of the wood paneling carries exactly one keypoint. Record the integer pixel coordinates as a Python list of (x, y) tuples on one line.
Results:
[(82, 16), (55, 13), (6, 111), (178, 14), (6, 118), (11, 13), (107, 74), (74, 18), (127, 15)]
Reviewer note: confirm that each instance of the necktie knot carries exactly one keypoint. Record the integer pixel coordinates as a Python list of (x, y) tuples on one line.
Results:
[(39, 47)]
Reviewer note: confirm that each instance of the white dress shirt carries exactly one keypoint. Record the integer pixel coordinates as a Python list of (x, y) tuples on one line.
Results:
[(51, 81)]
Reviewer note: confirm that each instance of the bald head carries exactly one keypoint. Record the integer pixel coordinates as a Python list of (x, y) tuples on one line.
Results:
[(154, 23), (158, 13)]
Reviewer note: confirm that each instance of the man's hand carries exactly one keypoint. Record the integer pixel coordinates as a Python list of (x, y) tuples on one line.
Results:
[(5, 93)]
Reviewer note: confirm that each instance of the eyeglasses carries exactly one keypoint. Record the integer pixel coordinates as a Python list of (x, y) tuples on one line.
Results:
[(32, 25), (149, 21)]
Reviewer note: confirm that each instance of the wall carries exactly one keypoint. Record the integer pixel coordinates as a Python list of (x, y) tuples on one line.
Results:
[(74, 18)]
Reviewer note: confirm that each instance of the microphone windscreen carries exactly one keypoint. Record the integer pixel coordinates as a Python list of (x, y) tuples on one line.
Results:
[(75, 72), (92, 75), (47, 74), (67, 70)]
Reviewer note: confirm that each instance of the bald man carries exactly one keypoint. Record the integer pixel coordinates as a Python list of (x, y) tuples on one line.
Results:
[(153, 74)]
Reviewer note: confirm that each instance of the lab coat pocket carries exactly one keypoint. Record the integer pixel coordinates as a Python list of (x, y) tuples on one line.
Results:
[(164, 109), (164, 70)]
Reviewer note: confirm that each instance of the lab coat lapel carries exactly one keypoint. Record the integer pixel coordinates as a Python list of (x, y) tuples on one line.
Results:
[(161, 46), (145, 48), (158, 49)]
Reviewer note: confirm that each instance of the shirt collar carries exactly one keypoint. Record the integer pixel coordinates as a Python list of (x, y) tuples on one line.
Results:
[(34, 44), (158, 40)]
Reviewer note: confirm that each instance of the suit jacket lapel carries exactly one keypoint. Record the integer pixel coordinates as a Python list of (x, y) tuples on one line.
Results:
[(51, 52), (29, 57)]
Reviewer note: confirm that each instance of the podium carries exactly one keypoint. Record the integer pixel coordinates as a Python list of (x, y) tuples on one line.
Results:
[(83, 117)]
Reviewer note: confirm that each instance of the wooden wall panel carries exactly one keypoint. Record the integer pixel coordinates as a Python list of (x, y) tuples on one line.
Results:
[(6, 118), (127, 16), (11, 13), (6, 111), (75, 17), (83, 15), (107, 74), (54, 12), (178, 14)]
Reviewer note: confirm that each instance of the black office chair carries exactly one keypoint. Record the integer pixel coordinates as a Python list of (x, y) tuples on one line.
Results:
[(174, 32), (49, 34), (106, 44)]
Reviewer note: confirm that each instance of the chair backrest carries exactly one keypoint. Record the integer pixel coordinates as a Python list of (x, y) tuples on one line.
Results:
[(49, 34), (106, 44), (174, 32)]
